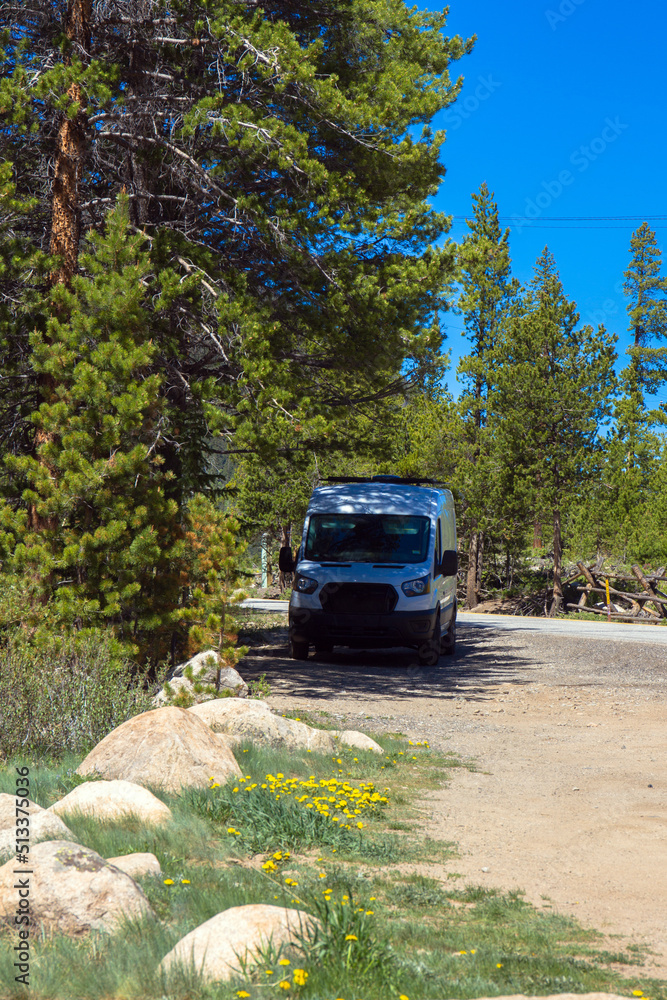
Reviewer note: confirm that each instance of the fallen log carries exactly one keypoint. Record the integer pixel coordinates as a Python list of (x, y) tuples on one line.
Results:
[(615, 615), (622, 593), (659, 602)]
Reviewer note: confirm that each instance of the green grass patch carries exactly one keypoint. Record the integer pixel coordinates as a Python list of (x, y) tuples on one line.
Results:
[(381, 932)]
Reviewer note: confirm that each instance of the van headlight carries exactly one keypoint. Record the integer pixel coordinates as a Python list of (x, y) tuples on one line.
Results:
[(415, 588), (305, 584)]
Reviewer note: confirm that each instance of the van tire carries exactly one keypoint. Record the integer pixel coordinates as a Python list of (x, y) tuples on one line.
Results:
[(429, 653), (299, 650)]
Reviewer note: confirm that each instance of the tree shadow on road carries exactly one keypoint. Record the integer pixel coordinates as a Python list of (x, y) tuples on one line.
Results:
[(482, 661)]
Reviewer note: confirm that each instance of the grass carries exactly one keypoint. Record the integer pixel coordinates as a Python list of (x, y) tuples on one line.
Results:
[(382, 932)]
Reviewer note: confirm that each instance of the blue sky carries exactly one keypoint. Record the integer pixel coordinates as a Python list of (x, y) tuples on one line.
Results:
[(563, 114)]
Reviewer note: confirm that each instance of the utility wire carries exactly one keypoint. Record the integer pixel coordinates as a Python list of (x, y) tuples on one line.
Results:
[(538, 223)]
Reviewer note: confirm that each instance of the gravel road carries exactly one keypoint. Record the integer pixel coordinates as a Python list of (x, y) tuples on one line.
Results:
[(569, 797)]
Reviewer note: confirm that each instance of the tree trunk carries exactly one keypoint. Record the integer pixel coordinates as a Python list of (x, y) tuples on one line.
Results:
[(65, 212), (557, 602), (70, 152), (537, 535), (285, 539), (471, 579), (480, 564)]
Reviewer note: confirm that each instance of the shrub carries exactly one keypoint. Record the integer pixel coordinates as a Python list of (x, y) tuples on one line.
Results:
[(64, 692)]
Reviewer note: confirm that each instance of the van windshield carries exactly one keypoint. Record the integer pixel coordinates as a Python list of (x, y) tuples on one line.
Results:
[(367, 538)]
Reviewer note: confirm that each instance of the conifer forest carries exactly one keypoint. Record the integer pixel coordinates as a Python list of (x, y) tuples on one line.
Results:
[(222, 280)]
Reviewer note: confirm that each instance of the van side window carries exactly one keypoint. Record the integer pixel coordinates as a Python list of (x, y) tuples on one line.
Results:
[(438, 548)]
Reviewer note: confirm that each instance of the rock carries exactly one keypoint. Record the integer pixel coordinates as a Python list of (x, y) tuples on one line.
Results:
[(197, 678), (168, 748), (137, 864), (43, 824), (72, 890), (254, 721), (216, 946), (112, 800), (180, 691), (351, 738)]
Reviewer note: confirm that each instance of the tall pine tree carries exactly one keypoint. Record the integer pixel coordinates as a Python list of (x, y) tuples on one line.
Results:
[(487, 290), (554, 386), (96, 478)]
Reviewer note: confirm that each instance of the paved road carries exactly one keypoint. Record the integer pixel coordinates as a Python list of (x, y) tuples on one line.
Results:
[(616, 631)]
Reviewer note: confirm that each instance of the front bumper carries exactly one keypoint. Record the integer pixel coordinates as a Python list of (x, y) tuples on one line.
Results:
[(362, 631)]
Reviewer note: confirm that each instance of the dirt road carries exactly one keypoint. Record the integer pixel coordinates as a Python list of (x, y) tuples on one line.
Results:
[(569, 736)]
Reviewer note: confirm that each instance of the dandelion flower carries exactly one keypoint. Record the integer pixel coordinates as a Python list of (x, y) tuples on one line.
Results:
[(369, 913), (185, 881), (242, 994), (322, 875), (360, 825), (284, 961), (351, 937), (499, 965), (638, 993), (284, 984), (300, 976), (403, 997), (169, 881)]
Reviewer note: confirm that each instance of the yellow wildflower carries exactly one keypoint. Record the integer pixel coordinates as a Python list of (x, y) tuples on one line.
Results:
[(169, 881), (300, 976)]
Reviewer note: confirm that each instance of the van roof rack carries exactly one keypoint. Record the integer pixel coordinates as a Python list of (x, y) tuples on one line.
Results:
[(392, 480)]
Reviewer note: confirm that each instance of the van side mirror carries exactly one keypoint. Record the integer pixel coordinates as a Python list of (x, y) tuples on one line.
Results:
[(286, 563), (450, 563)]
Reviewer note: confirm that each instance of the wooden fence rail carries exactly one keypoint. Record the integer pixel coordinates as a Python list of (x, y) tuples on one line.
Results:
[(649, 604)]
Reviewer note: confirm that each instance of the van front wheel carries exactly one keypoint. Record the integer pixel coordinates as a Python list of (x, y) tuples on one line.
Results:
[(298, 650), (428, 654)]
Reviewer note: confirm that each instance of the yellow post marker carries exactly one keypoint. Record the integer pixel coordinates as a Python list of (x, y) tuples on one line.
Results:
[(606, 585)]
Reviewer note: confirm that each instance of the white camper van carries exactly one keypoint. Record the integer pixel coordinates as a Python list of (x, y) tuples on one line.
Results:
[(376, 568)]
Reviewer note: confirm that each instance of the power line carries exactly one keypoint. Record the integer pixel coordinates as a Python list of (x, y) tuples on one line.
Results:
[(538, 223)]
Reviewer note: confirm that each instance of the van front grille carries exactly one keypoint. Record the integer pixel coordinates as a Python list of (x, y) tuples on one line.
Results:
[(358, 598)]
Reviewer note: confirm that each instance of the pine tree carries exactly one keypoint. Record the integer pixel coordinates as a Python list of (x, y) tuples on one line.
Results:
[(282, 156), (487, 291), (633, 448), (554, 387), (106, 536), (647, 310)]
